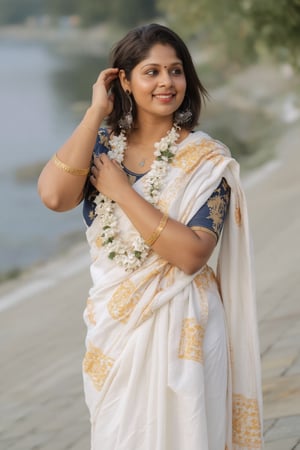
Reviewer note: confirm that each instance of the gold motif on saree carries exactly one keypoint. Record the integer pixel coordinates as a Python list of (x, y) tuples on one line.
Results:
[(97, 365), (246, 422), (205, 278), (90, 311), (98, 241), (191, 340), (123, 301), (238, 215), (192, 155)]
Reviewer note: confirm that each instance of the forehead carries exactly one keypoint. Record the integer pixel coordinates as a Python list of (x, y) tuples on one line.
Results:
[(161, 54)]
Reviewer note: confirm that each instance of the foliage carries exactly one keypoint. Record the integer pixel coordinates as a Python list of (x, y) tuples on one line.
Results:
[(241, 29), (277, 24), (131, 12), (15, 11), (62, 8), (127, 13)]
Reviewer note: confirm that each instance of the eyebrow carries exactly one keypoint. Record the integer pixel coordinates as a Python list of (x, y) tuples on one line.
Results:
[(164, 65)]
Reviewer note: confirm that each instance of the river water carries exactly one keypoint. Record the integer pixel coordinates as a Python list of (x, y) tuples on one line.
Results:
[(41, 92)]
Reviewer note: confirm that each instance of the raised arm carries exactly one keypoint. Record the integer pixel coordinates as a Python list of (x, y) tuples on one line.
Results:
[(62, 180)]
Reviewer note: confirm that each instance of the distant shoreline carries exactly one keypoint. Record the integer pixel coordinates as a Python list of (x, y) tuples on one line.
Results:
[(95, 41)]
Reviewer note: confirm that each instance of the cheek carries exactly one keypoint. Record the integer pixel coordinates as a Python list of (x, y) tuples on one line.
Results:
[(143, 91), (181, 89), (182, 84)]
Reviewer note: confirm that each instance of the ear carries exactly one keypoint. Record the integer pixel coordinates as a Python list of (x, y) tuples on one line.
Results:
[(123, 80)]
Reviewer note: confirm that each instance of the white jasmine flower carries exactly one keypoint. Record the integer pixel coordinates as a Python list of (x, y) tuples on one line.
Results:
[(131, 255)]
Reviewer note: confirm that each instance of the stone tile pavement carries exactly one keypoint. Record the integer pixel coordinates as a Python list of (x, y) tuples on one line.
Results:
[(42, 345)]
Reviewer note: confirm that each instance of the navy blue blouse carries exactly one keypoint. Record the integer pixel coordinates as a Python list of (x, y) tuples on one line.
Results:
[(210, 217)]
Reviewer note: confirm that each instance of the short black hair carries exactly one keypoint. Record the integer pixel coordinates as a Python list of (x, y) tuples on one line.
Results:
[(133, 48)]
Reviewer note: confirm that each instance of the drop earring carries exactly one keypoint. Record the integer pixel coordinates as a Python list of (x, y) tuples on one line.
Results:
[(126, 120), (182, 117)]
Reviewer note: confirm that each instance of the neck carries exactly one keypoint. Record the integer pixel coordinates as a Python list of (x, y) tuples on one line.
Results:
[(151, 130)]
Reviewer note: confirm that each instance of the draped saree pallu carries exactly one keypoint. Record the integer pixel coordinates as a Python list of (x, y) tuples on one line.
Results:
[(172, 360)]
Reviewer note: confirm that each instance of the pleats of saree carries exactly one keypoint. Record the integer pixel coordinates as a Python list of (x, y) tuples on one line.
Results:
[(153, 389)]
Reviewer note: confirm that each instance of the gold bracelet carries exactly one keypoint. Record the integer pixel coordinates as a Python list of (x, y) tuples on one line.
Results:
[(156, 233), (82, 124), (68, 169)]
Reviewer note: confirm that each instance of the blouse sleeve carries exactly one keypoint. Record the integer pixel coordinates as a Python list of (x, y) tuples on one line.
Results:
[(90, 192), (210, 217)]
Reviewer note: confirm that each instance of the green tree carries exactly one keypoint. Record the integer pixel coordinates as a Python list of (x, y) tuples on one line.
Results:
[(92, 11), (134, 11), (16, 11), (61, 7), (277, 25), (240, 28), (126, 13)]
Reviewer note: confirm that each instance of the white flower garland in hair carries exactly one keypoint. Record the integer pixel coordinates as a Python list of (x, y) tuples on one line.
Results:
[(132, 255)]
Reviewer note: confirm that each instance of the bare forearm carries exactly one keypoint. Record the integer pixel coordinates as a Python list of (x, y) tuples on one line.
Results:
[(59, 189), (177, 243)]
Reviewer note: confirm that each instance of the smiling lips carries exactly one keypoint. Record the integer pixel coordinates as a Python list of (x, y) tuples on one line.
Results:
[(164, 97)]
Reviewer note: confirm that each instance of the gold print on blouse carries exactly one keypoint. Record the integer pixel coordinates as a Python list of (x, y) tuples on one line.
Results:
[(92, 215), (191, 339), (97, 365), (123, 301), (103, 138), (246, 422), (217, 207), (192, 155)]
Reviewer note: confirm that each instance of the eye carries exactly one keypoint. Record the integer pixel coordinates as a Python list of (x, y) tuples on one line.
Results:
[(152, 72), (177, 71)]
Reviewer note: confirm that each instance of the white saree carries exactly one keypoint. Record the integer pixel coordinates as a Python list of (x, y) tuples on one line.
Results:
[(172, 360)]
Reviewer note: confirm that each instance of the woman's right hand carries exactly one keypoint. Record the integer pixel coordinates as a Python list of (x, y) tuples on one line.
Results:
[(102, 99)]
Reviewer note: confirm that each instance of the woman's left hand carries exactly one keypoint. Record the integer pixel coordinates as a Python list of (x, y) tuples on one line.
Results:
[(109, 178)]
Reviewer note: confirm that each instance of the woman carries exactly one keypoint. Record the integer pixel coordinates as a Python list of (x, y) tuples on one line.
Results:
[(172, 360)]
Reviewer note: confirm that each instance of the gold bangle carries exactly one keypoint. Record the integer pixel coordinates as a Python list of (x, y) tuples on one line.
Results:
[(68, 169), (156, 233)]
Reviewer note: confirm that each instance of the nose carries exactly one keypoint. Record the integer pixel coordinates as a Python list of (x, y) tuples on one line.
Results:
[(165, 79)]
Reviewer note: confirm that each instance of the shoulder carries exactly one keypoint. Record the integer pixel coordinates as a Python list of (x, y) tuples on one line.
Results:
[(104, 136), (205, 141), (198, 149), (102, 143)]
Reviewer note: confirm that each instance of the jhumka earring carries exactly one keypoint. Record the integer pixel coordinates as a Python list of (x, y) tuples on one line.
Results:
[(182, 117), (126, 120)]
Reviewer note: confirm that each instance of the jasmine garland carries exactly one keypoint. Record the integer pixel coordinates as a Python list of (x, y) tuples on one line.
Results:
[(131, 255)]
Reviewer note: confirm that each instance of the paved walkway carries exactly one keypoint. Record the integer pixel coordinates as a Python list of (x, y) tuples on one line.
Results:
[(42, 333), (274, 210)]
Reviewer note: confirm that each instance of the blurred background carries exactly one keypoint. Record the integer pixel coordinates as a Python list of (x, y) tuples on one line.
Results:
[(51, 51)]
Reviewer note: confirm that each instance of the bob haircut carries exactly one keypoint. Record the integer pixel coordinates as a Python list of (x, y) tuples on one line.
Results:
[(132, 49)]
